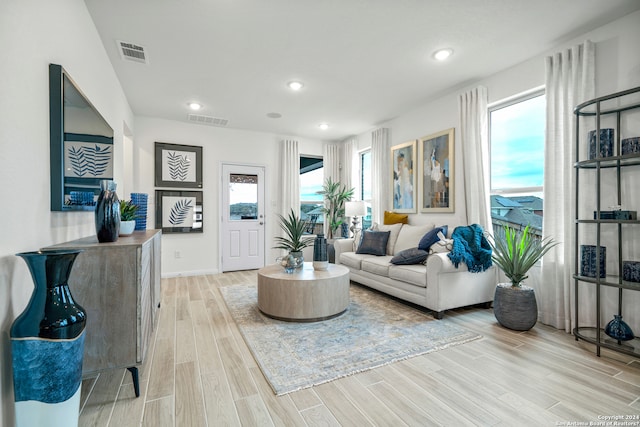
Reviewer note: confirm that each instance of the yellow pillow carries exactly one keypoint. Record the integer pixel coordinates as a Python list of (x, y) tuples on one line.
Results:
[(395, 218)]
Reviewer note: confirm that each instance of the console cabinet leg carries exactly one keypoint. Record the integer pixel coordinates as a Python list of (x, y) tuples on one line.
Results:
[(136, 380)]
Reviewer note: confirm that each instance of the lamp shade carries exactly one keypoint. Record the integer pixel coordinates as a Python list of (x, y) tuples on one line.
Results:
[(355, 208)]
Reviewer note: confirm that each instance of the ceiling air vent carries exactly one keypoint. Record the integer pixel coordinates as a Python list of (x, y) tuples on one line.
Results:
[(132, 52), (207, 120)]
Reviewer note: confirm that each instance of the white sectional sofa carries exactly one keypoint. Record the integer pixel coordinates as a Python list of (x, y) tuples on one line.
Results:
[(435, 284)]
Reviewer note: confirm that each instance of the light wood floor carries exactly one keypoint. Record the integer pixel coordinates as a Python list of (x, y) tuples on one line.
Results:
[(199, 372)]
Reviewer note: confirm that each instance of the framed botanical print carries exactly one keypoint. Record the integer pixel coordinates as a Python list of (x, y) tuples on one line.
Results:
[(87, 160), (178, 165), (179, 211), (403, 177), (437, 172)]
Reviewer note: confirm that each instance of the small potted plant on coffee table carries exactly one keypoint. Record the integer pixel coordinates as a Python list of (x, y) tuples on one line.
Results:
[(128, 215), (514, 304), (293, 240)]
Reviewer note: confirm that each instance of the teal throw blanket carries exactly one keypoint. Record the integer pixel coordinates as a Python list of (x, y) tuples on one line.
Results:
[(471, 247)]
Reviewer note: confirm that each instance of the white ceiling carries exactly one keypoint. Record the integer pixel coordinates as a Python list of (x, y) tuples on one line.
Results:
[(362, 61)]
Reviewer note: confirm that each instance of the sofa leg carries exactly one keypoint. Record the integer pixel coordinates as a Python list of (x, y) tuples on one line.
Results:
[(438, 315), (487, 304)]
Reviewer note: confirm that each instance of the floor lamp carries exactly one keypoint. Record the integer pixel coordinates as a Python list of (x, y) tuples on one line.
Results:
[(354, 210)]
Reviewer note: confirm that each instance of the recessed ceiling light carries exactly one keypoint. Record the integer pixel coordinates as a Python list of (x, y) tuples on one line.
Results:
[(442, 54), (324, 126), (274, 115), (195, 106), (295, 85)]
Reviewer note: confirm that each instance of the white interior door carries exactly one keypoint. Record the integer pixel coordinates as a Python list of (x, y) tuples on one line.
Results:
[(242, 228)]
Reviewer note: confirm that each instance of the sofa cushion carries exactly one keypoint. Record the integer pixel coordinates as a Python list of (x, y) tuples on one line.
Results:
[(410, 256), (394, 230), (431, 237), (373, 242), (377, 265), (409, 237), (415, 274), (395, 218), (351, 259)]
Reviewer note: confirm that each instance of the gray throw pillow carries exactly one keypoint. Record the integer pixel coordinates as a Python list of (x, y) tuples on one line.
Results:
[(410, 256), (373, 243)]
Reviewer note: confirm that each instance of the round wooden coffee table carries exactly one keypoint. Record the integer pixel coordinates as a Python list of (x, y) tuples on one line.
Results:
[(307, 295)]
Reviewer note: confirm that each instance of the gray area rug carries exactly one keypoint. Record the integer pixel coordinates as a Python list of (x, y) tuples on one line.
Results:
[(374, 331)]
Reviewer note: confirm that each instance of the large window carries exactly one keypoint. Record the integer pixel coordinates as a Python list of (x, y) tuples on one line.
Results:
[(311, 203), (516, 132), (365, 185)]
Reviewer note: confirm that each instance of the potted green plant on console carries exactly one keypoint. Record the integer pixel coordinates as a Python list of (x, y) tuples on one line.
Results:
[(293, 241), (514, 304), (128, 215)]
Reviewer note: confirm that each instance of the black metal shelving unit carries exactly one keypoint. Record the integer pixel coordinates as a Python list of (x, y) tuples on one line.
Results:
[(614, 107)]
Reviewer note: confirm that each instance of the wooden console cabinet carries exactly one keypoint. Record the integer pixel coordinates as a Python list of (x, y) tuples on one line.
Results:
[(118, 285)]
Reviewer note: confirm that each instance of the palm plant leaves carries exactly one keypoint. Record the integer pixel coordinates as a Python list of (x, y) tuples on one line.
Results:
[(518, 251), (178, 166), (87, 160), (179, 211), (335, 195), (293, 228)]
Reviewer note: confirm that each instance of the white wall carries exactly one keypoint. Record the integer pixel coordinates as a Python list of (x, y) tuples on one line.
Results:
[(199, 251), (617, 68), (33, 34)]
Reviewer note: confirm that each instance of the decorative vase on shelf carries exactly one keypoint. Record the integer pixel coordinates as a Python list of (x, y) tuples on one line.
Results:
[(107, 213), (618, 329), (320, 255), (47, 345)]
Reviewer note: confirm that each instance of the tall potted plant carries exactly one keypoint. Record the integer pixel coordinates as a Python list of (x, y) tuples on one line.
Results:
[(514, 304), (293, 240), (335, 195)]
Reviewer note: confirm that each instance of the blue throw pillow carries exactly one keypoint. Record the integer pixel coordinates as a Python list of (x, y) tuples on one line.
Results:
[(374, 243), (432, 237), (410, 256)]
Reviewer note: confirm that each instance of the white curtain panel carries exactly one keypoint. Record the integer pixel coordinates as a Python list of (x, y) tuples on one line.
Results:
[(350, 164), (570, 80), (290, 177), (474, 131), (380, 181), (331, 164), (331, 161)]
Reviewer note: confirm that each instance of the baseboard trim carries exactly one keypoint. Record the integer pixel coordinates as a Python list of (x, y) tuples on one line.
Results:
[(188, 273)]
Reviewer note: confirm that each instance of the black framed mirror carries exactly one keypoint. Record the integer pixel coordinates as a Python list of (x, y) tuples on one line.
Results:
[(81, 145)]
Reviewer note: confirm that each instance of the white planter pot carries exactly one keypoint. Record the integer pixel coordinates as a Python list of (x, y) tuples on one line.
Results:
[(127, 227)]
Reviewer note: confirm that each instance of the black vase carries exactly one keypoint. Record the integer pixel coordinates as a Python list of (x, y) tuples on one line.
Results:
[(47, 344), (618, 329), (320, 254), (107, 213)]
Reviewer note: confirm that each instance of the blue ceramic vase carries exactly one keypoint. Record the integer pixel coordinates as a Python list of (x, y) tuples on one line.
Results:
[(47, 345), (618, 329), (140, 200)]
